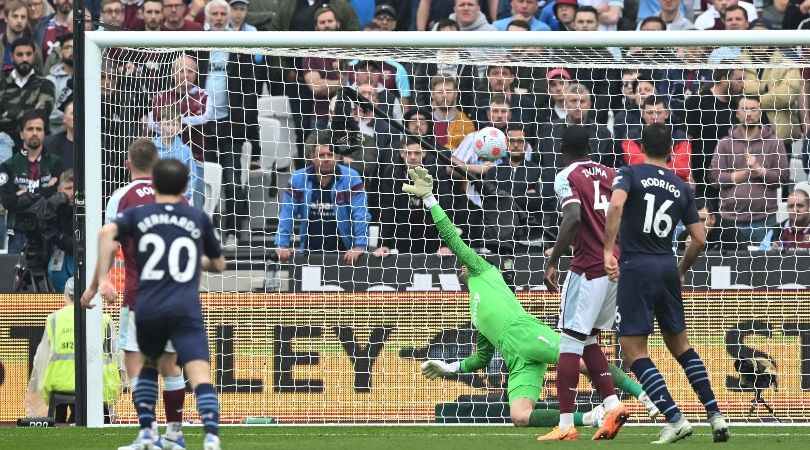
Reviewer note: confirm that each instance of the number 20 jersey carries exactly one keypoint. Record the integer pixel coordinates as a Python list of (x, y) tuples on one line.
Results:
[(588, 183), (169, 240), (656, 201)]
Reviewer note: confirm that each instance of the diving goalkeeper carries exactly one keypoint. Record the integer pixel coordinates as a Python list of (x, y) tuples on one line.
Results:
[(527, 344)]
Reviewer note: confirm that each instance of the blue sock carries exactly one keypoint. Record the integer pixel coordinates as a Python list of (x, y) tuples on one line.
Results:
[(655, 387), (208, 406), (145, 397), (699, 379)]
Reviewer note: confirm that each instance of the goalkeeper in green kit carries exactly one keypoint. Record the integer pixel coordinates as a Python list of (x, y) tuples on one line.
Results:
[(527, 344)]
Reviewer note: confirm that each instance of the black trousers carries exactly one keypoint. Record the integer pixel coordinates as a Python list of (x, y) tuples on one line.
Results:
[(225, 149)]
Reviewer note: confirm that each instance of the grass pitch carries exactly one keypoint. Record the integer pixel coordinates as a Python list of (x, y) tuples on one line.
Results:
[(394, 437)]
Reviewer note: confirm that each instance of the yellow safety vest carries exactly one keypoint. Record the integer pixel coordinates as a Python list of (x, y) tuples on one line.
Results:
[(61, 373)]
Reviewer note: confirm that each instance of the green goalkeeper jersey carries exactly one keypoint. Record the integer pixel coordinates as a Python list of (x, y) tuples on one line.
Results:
[(493, 306)]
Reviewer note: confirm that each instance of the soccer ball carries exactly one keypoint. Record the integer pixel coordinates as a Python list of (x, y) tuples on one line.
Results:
[(490, 144)]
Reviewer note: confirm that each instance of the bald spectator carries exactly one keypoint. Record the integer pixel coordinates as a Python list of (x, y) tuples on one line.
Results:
[(174, 18), (194, 105), (525, 10), (714, 17), (795, 231), (578, 108), (430, 12), (469, 16)]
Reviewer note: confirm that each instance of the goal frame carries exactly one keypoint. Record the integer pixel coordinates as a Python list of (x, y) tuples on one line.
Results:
[(90, 111)]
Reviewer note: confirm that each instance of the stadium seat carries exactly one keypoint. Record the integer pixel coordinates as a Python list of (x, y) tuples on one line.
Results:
[(277, 141), (212, 176)]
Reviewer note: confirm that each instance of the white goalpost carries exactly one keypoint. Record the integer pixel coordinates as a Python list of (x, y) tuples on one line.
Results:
[(317, 339)]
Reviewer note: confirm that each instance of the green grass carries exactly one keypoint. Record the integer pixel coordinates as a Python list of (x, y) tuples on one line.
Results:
[(392, 437)]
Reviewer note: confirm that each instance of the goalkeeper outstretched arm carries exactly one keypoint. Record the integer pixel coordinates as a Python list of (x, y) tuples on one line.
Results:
[(423, 187), (484, 351)]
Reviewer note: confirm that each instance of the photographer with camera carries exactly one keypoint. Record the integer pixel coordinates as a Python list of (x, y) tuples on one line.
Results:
[(31, 174), (59, 232)]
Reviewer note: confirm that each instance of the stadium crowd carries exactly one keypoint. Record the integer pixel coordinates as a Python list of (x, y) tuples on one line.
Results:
[(734, 130)]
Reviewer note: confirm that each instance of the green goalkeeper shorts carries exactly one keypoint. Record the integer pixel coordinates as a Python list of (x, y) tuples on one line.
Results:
[(528, 346)]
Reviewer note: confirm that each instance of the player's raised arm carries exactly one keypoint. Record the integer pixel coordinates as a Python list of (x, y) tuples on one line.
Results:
[(423, 187)]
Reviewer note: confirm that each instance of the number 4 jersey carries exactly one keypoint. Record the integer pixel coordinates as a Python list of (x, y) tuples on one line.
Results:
[(588, 183), (169, 240), (656, 201)]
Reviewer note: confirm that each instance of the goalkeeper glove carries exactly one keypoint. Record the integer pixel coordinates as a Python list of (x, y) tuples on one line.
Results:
[(433, 369), (422, 186)]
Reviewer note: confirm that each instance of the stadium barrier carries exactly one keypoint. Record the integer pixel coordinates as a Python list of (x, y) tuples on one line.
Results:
[(354, 357)]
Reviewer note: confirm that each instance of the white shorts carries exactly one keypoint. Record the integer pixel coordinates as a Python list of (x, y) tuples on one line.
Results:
[(128, 335), (587, 304)]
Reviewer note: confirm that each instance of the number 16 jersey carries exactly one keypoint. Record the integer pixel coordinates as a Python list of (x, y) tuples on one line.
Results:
[(169, 240), (656, 201)]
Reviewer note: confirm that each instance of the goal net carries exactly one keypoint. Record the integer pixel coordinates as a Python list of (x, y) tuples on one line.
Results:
[(338, 288)]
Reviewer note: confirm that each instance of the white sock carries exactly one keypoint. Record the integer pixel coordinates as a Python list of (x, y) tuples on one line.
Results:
[(566, 421), (588, 419), (611, 402), (173, 430)]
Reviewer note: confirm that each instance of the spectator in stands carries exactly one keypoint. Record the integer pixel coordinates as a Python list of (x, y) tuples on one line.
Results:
[(709, 118), (795, 11), (134, 14), (748, 168), (239, 9), (406, 224), (61, 143), (525, 10), (30, 173), (530, 187), (683, 82), (48, 30), (714, 17), (152, 16), (672, 16), (175, 17), (468, 211), (578, 107), (331, 203), (708, 217), (469, 16), (169, 144), (322, 75), (609, 12), (501, 80), (735, 18), (430, 12), (37, 10), (261, 13), (466, 75), (627, 122), (295, 15), (420, 122), (377, 138), (390, 77), (17, 27), (24, 89), (450, 124), (558, 81), (603, 83), (795, 231), (112, 13), (562, 14), (655, 110), (61, 265), (385, 17), (61, 76), (778, 86)]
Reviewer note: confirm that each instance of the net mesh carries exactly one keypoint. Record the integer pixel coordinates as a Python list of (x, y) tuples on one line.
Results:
[(284, 346)]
